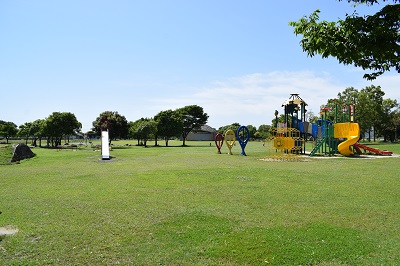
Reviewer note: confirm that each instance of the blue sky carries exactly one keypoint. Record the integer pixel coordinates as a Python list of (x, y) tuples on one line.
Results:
[(239, 60)]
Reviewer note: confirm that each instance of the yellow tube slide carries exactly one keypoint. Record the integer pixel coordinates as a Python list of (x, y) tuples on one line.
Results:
[(348, 131)]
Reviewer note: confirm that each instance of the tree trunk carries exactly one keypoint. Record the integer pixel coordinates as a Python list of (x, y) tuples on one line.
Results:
[(58, 141), (184, 135), (374, 134)]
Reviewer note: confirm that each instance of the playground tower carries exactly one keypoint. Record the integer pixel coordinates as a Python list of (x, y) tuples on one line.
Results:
[(295, 114)]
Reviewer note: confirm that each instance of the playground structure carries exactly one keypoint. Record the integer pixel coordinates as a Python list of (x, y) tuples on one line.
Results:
[(105, 143), (242, 135), (286, 138), (284, 143), (357, 146), (329, 138), (348, 131)]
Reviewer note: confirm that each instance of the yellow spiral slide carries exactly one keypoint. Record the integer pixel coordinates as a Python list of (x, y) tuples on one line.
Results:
[(348, 131)]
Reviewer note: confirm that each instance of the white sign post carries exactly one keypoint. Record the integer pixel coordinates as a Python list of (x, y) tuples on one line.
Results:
[(105, 148)]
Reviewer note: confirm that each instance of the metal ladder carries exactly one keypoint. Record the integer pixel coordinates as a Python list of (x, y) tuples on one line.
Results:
[(318, 146)]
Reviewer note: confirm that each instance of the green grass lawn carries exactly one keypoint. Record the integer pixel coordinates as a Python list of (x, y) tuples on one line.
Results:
[(191, 206)]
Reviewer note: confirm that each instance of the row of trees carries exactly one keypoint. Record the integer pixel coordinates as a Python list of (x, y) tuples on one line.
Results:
[(164, 125), (260, 133), (167, 125), (53, 128)]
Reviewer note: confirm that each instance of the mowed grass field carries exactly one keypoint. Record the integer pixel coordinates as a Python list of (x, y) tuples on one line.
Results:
[(191, 206)]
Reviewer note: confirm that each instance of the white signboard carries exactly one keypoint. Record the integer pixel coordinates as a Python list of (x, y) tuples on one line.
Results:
[(105, 149)]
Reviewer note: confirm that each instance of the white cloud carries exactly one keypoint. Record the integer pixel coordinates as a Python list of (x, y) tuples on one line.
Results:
[(390, 84), (252, 99)]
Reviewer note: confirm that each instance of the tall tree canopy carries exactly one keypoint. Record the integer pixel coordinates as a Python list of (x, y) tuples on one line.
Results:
[(193, 118), (169, 124), (34, 130), (8, 129), (146, 129), (262, 132), (59, 124), (118, 125), (371, 42), (25, 131), (37, 131), (233, 126)]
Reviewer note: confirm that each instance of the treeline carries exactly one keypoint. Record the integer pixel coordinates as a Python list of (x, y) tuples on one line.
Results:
[(52, 129), (164, 125), (260, 133)]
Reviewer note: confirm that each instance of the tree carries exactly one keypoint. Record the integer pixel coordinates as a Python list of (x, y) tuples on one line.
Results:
[(371, 42), (119, 127), (193, 118), (281, 119), (25, 131), (396, 123), (311, 117), (387, 125), (147, 128), (58, 125), (133, 130), (349, 97), (252, 130), (37, 131), (34, 130), (234, 126), (169, 124), (369, 109), (8, 130), (262, 132)]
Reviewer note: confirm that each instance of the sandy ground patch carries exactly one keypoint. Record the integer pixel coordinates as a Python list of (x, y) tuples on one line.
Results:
[(8, 230), (306, 158)]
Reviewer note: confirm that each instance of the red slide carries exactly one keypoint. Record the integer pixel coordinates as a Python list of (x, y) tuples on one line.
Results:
[(357, 146)]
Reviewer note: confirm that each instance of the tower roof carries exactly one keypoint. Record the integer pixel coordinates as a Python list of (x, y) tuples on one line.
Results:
[(294, 99)]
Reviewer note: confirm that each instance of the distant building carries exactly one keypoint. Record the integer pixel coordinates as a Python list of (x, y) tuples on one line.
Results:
[(205, 133), (370, 134)]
